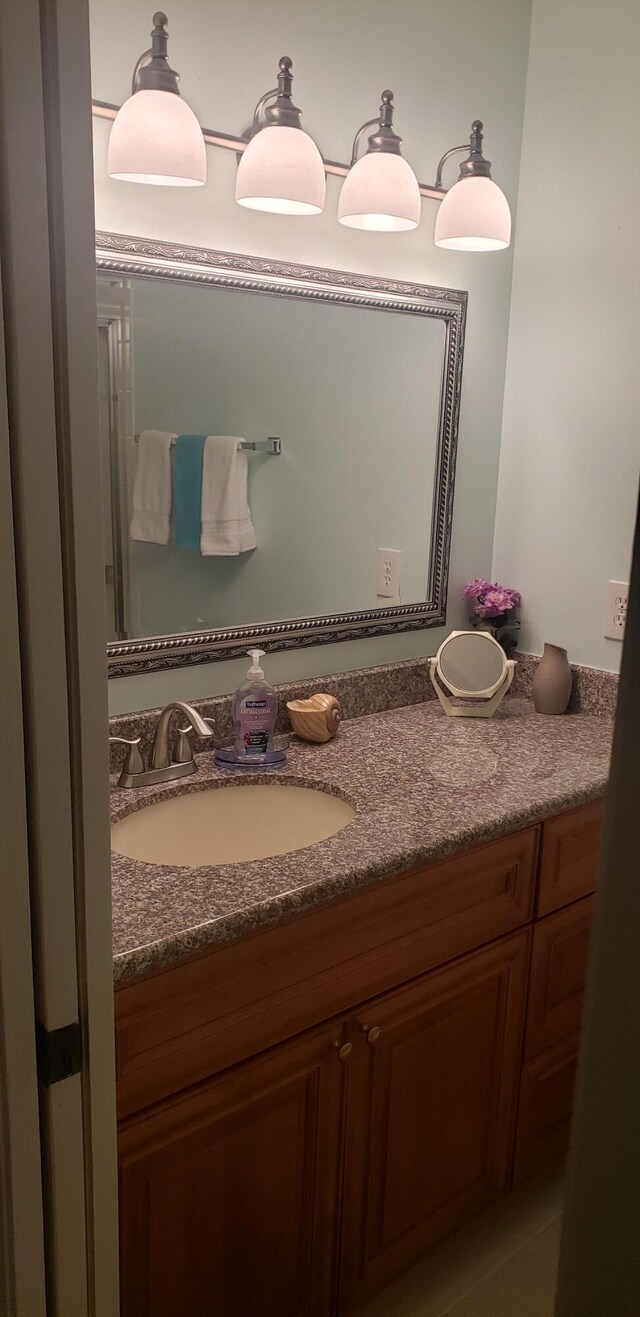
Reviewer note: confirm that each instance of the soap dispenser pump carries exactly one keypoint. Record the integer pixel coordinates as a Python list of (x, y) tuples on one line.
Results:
[(255, 709)]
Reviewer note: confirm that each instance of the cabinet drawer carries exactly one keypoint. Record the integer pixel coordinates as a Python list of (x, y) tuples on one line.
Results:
[(544, 1108), (558, 975), (570, 857), (186, 1023)]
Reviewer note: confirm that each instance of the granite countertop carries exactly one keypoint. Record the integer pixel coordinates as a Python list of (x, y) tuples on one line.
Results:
[(424, 786)]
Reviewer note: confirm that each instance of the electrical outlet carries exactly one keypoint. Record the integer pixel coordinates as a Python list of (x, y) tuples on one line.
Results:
[(388, 574), (615, 616)]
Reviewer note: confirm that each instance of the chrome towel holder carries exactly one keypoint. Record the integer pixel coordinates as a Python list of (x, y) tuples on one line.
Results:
[(271, 446)]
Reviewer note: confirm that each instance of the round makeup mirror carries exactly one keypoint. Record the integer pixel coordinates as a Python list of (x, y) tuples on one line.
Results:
[(472, 663), (471, 674)]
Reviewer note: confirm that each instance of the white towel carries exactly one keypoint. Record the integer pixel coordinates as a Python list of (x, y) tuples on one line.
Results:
[(227, 528), (151, 520)]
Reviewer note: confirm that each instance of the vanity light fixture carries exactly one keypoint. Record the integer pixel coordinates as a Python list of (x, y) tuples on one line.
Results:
[(474, 214), (281, 169), (381, 191), (156, 137)]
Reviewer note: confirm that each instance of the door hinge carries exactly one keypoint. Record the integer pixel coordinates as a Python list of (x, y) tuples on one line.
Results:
[(58, 1052)]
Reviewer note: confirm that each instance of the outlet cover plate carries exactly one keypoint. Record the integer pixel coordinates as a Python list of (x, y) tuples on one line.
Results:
[(615, 616), (388, 574)]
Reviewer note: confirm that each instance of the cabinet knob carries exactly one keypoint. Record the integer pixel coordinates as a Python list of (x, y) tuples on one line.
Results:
[(344, 1050), (373, 1033)]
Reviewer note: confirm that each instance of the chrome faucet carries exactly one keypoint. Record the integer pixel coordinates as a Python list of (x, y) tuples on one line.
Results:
[(161, 767)]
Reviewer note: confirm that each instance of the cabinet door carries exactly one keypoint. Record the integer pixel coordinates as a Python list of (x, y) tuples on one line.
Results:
[(544, 1108), (570, 856), (228, 1192), (558, 975), (556, 993), (431, 1108)]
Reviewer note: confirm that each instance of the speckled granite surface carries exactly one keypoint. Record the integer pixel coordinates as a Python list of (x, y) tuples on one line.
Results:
[(367, 691), (424, 787)]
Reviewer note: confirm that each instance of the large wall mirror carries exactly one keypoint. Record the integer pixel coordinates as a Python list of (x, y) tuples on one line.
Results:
[(343, 391)]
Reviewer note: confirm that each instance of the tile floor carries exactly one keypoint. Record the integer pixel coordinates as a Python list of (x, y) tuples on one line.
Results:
[(501, 1264)]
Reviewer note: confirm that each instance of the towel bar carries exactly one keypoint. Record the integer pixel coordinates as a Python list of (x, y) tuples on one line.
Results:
[(272, 446)]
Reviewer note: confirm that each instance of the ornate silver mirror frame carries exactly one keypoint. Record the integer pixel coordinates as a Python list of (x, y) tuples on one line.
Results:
[(124, 257)]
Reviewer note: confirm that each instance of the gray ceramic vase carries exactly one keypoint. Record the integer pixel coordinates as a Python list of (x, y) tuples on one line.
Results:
[(552, 681)]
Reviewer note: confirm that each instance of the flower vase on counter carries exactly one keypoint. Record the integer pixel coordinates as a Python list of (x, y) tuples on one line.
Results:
[(552, 681), (494, 609)]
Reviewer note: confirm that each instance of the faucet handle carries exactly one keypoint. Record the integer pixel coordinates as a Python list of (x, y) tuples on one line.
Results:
[(183, 752), (133, 762)]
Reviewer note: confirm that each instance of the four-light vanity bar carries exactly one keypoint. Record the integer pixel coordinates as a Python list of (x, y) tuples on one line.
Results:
[(156, 138)]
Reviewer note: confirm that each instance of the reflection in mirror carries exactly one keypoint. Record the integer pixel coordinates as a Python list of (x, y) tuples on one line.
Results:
[(471, 662), (362, 393)]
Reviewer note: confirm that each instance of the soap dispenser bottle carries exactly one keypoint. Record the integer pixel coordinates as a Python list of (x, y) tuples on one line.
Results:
[(255, 709)]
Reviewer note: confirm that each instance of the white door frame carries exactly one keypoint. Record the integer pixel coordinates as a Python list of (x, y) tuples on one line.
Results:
[(22, 1277), (49, 304)]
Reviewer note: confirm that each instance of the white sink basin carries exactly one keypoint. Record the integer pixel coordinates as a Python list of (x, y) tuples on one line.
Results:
[(229, 825)]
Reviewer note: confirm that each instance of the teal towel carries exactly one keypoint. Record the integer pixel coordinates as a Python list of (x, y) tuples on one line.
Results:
[(187, 489)]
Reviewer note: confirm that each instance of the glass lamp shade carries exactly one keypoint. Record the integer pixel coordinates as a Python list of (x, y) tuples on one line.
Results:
[(380, 192), (474, 216), (281, 170), (156, 138)]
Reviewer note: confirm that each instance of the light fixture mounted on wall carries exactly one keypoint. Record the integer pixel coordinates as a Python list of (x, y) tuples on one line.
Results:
[(381, 190), (156, 138), (281, 169), (474, 215)]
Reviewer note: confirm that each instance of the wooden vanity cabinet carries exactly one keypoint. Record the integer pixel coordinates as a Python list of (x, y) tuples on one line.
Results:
[(558, 976), (395, 1121), (430, 1110), (569, 857), (556, 993), (307, 1110), (186, 1023), (228, 1192)]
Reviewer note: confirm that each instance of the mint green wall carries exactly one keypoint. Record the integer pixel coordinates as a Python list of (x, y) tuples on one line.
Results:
[(448, 61), (571, 441)]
